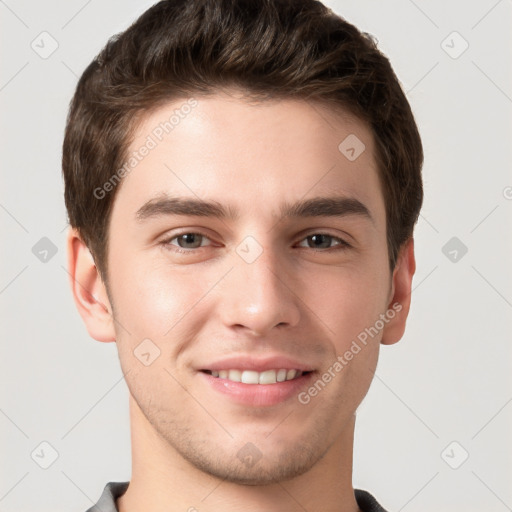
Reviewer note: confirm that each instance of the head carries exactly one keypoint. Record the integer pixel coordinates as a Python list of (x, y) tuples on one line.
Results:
[(252, 106)]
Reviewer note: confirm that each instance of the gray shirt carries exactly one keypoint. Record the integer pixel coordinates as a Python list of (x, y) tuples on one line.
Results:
[(112, 491)]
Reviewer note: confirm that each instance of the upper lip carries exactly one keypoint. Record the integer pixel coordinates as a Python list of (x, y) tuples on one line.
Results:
[(257, 364)]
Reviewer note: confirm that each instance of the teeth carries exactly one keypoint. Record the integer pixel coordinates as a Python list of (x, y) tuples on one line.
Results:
[(235, 375), (281, 375), (252, 377), (268, 377), (249, 377), (290, 374)]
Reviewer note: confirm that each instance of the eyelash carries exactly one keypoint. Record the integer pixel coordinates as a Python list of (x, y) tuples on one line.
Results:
[(342, 244)]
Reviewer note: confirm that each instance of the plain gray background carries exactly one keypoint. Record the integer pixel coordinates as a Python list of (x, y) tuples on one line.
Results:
[(442, 393)]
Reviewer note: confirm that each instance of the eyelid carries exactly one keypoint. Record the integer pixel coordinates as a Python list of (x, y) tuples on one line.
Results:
[(168, 239), (335, 232), (343, 236), (341, 241)]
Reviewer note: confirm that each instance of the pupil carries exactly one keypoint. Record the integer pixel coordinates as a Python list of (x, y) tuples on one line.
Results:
[(320, 238), (189, 238)]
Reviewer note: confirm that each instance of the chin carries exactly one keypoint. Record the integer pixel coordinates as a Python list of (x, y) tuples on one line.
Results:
[(259, 470)]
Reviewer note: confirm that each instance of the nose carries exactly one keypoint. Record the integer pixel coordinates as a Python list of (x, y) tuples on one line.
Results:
[(259, 296)]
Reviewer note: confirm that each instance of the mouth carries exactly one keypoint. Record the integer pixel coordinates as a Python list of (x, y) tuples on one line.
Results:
[(249, 380), (251, 388), (267, 377)]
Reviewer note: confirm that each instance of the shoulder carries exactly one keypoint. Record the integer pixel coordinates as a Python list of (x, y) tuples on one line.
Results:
[(107, 501), (366, 502)]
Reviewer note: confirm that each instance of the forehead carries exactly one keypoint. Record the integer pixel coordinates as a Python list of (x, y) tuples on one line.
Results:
[(252, 156)]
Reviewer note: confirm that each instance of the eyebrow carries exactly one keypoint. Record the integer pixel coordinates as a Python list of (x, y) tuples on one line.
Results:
[(337, 206)]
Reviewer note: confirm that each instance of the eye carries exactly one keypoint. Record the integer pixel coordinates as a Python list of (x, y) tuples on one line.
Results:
[(186, 241), (324, 240)]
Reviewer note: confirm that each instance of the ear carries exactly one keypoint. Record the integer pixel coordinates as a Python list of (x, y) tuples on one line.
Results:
[(89, 291), (400, 295)]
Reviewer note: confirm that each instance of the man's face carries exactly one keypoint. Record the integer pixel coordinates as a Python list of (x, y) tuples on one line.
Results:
[(259, 291)]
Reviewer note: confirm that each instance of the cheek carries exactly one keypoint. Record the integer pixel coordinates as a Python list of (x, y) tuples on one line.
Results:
[(154, 299), (347, 300)]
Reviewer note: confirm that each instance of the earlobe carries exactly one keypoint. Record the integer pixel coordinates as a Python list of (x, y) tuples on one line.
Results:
[(88, 289), (399, 305)]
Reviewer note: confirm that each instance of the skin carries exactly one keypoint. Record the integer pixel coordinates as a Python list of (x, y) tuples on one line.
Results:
[(295, 299)]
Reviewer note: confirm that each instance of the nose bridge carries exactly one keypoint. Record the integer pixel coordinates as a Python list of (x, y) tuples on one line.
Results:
[(260, 297)]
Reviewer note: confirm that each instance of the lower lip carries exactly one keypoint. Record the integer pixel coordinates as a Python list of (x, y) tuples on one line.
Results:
[(258, 395)]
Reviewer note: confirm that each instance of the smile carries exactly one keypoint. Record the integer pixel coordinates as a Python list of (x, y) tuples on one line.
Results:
[(254, 377)]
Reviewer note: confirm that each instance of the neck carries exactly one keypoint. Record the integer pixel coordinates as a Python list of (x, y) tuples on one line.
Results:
[(163, 481)]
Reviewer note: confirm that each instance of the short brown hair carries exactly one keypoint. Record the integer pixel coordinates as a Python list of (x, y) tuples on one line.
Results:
[(267, 48)]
